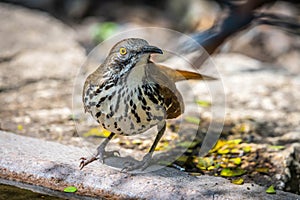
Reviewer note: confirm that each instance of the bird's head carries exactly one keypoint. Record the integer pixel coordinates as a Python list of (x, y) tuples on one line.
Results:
[(127, 53)]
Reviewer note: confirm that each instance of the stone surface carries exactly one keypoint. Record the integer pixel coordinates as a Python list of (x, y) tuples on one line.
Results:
[(55, 166), (263, 92)]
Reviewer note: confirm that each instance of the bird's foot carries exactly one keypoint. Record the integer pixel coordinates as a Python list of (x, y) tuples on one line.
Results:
[(85, 161), (101, 155), (142, 165)]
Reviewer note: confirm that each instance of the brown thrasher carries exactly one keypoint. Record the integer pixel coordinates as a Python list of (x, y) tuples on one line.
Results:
[(128, 94)]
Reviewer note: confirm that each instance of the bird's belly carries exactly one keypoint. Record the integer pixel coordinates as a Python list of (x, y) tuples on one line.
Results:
[(127, 112)]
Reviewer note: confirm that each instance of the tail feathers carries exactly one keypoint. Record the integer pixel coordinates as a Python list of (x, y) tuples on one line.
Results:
[(181, 75)]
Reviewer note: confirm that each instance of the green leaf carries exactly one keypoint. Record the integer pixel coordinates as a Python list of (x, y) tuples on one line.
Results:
[(244, 128), (70, 189), (204, 163), (211, 168), (97, 132), (235, 151), (238, 181), (203, 103), (193, 120), (262, 170), (235, 141), (276, 147), (187, 144), (103, 30), (236, 161), (218, 145), (247, 149), (162, 146), (227, 172), (223, 151), (271, 190), (20, 127)]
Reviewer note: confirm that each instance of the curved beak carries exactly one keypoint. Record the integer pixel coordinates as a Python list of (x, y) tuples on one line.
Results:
[(151, 49)]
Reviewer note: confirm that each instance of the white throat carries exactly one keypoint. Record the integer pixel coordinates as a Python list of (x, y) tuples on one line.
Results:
[(137, 73)]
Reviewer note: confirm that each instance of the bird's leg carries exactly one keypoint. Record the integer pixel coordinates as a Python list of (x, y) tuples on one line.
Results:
[(147, 158), (100, 154)]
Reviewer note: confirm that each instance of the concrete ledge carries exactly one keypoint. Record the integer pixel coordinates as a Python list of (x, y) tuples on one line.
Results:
[(55, 166)]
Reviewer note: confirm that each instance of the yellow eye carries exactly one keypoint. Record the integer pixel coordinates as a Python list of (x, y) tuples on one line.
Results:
[(123, 51)]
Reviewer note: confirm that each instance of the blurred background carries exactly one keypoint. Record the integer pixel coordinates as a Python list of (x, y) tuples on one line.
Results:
[(94, 21)]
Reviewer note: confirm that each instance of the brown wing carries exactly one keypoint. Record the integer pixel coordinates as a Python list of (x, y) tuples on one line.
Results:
[(180, 75), (167, 88)]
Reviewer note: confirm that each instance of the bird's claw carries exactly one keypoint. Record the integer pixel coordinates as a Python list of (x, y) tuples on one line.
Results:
[(84, 161)]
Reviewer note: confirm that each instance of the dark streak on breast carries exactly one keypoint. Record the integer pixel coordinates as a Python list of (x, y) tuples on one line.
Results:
[(98, 114), (100, 101)]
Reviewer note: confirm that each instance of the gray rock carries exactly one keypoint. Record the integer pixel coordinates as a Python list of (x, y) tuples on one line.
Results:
[(55, 166)]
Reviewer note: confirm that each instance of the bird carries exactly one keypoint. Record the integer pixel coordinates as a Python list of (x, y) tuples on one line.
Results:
[(129, 93)]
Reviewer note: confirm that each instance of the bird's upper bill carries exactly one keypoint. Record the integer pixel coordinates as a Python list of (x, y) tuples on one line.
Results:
[(151, 49)]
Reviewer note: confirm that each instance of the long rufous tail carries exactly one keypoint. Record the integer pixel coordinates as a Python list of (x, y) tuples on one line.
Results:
[(181, 75)]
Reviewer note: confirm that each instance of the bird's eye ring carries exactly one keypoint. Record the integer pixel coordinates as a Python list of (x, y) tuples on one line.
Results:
[(123, 51)]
